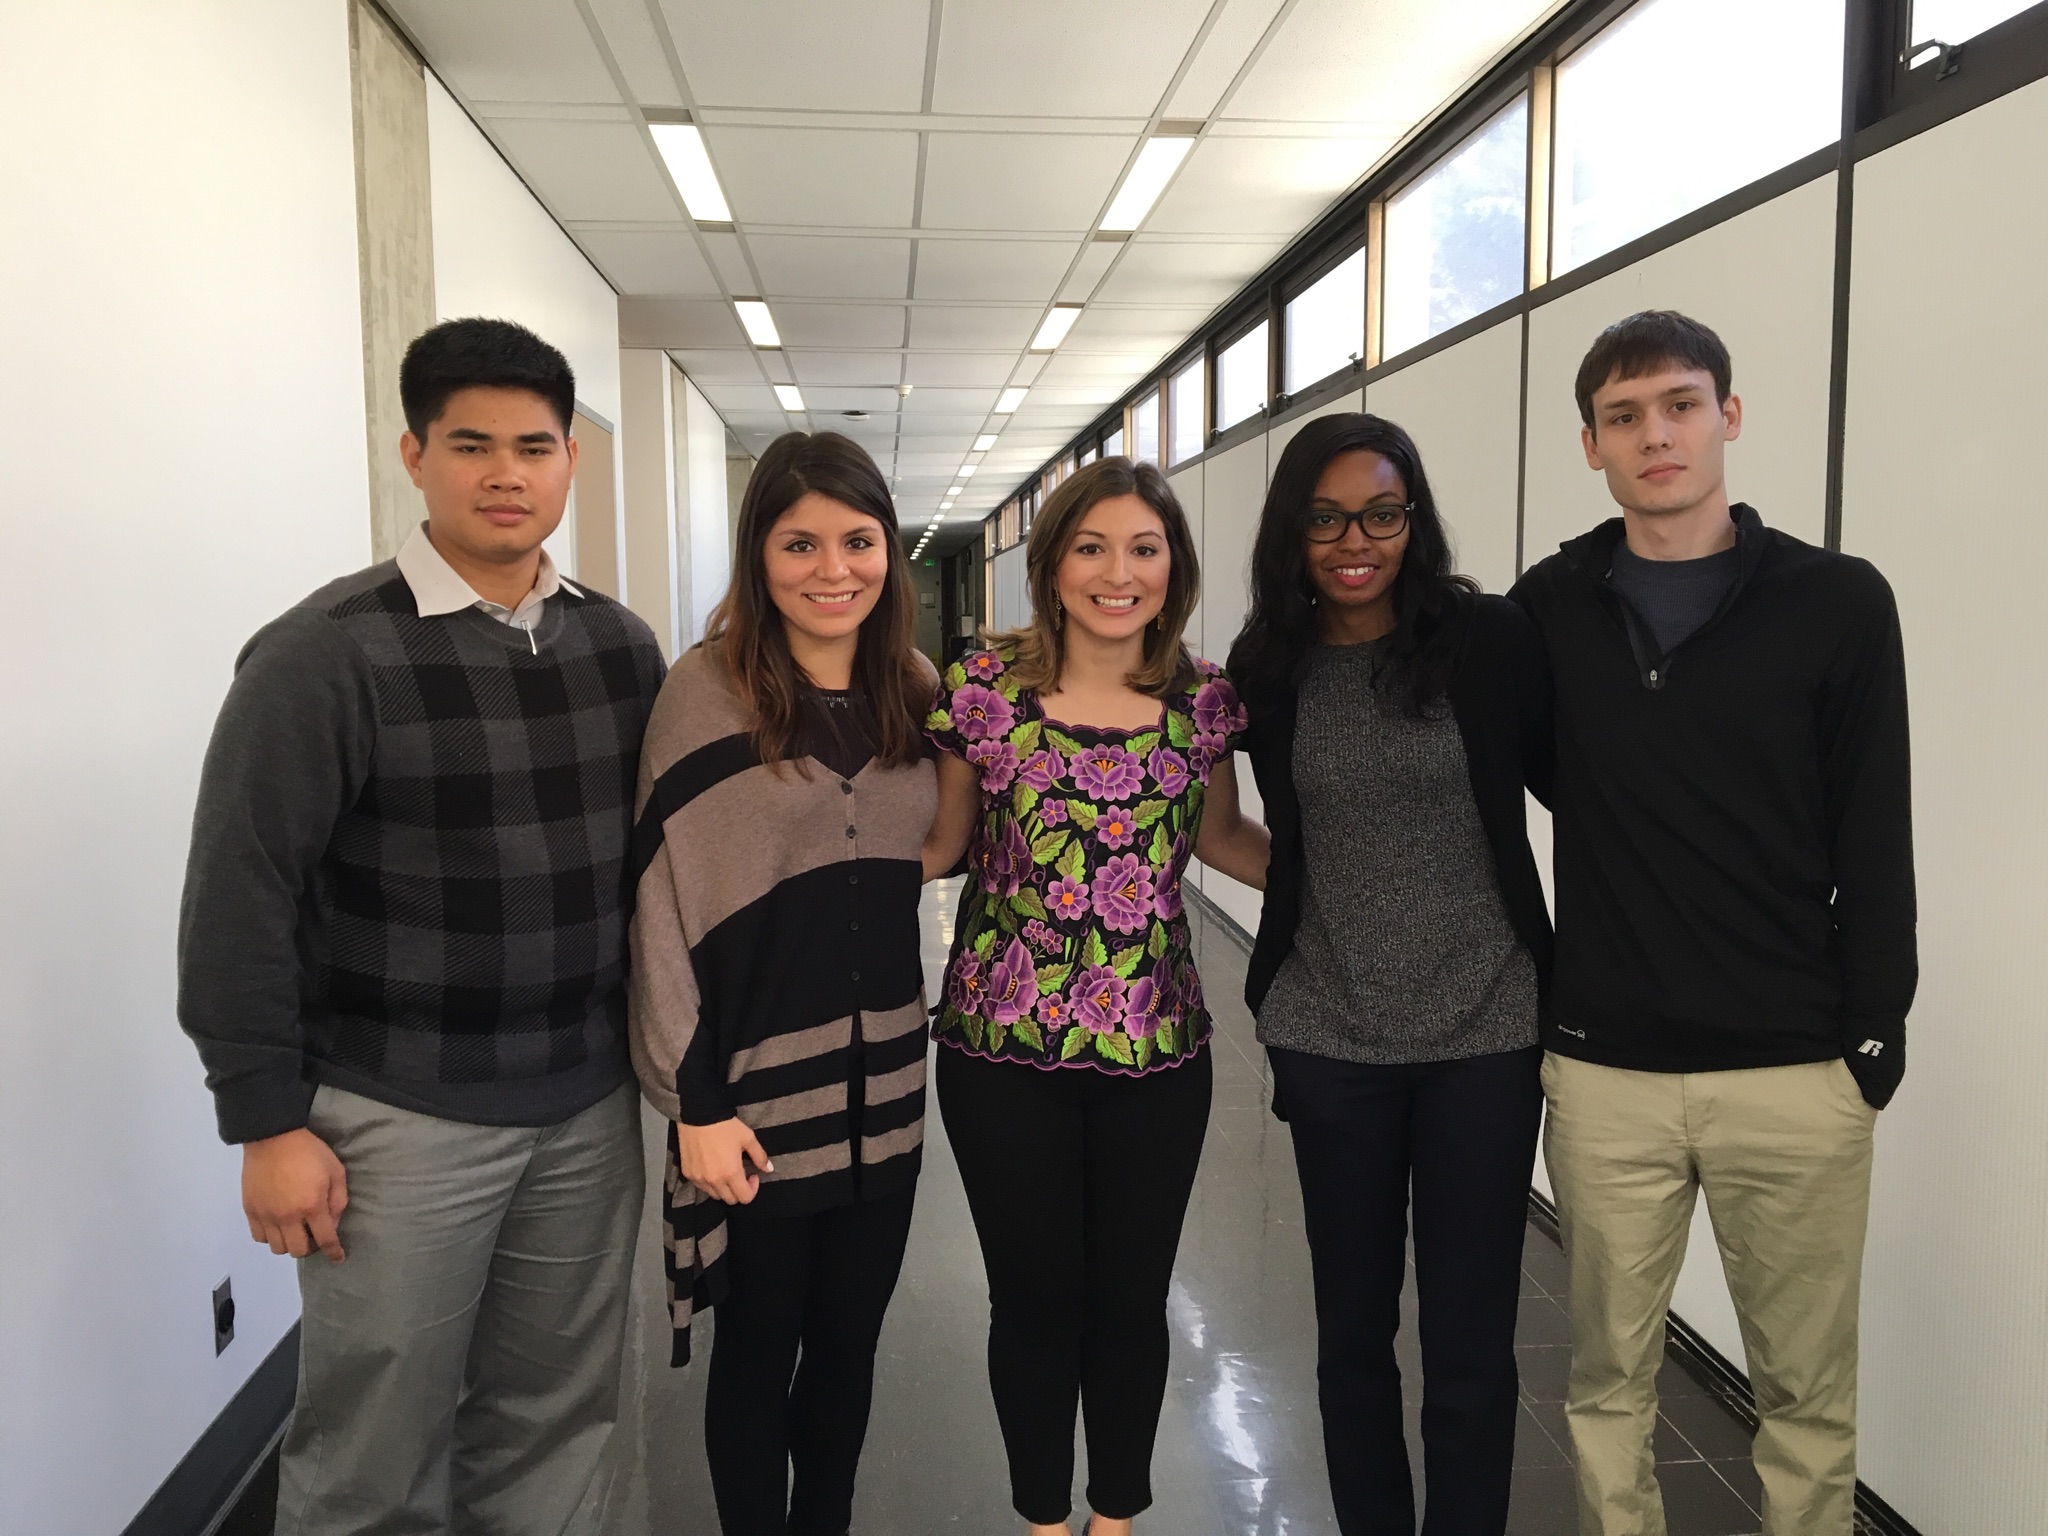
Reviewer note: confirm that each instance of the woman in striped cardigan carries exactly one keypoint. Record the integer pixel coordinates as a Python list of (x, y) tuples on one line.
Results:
[(777, 993)]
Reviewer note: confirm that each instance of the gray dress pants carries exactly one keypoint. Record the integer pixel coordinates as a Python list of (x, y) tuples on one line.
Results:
[(459, 1370)]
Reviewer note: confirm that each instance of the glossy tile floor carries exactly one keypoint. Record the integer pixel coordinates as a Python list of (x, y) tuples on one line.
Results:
[(1240, 1447)]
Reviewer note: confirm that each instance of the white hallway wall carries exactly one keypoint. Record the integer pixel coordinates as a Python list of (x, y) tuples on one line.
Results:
[(184, 372)]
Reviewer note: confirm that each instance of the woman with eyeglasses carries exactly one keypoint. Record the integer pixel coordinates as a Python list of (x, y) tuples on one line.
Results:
[(1396, 716)]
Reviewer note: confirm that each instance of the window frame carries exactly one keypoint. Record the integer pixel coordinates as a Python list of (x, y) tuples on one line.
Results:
[(1248, 320)]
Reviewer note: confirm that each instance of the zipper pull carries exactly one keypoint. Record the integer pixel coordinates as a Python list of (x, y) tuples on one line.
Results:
[(535, 644)]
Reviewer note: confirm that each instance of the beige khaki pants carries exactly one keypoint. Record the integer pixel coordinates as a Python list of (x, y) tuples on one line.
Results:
[(1783, 1156)]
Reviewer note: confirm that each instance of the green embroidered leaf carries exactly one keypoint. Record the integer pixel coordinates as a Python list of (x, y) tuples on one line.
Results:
[(1073, 863), (1053, 977), (1026, 1030), (1027, 903), (1075, 1043), (1084, 815), (1046, 847), (985, 942), (1005, 918), (1149, 811), (1143, 1050), (1162, 846), (1168, 1038), (1155, 942), (938, 719), (997, 1033), (971, 1026), (1024, 797), (1026, 737), (1179, 729), (1093, 950), (1067, 745), (1117, 1047), (1143, 745), (1125, 961)]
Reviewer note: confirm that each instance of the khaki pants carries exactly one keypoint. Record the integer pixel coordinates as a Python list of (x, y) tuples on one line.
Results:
[(1783, 1155)]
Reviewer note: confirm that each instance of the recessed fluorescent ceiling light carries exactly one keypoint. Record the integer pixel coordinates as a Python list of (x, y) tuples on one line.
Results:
[(1053, 329), (789, 397), (955, 490), (983, 443), (966, 470), (1157, 162), (759, 323), (682, 151), (1010, 399), (945, 506)]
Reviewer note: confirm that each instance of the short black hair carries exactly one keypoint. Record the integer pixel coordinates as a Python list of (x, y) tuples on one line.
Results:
[(1645, 342), (480, 354)]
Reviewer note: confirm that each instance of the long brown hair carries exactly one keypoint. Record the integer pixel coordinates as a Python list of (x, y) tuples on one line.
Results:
[(746, 628), (1040, 645)]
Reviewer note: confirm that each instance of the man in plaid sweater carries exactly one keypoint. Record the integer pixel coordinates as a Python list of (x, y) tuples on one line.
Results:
[(402, 957)]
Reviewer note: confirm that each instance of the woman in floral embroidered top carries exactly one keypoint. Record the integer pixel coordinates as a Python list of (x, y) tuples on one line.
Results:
[(1086, 758)]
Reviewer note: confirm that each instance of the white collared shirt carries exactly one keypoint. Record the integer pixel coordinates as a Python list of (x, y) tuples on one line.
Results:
[(438, 589)]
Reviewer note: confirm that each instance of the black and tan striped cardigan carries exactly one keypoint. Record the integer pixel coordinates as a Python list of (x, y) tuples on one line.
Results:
[(775, 966)]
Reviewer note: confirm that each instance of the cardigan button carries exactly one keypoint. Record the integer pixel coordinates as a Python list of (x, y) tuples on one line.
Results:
[(856, 975), (849, 831), (845, 788)]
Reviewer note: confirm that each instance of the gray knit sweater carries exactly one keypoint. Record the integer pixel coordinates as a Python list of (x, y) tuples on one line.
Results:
[(1404, 952)]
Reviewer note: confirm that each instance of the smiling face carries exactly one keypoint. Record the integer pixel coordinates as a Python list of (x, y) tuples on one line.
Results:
[(1113, 579), (1661, 440), (1354, 577), (495, 472), (826, 565)]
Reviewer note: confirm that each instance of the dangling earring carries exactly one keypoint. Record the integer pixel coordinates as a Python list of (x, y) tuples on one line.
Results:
[(1160, 622), (1059, 614)]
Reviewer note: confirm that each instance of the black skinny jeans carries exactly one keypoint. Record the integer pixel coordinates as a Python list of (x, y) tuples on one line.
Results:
[(1076, 1175), (1463, 1135), (793, 1362)]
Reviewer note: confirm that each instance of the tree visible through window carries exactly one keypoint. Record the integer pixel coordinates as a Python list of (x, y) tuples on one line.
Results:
[(1455, 237)]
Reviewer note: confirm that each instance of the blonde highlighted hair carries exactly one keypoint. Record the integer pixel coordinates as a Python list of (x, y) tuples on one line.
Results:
[(1039, 647)]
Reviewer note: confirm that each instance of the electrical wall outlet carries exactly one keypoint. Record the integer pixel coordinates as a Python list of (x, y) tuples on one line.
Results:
[(223, 1315)]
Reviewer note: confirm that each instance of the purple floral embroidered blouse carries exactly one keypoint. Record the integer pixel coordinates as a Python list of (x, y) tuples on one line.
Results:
[(1072, 946)]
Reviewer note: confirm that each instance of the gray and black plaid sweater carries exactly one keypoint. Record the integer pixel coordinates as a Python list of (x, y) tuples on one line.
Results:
[(408, 874)]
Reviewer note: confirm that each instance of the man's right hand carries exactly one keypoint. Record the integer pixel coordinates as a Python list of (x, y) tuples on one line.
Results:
[(715, 1157), (294, 1190)]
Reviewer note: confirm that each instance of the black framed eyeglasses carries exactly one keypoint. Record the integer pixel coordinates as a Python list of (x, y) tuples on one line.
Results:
[(1384, 521)]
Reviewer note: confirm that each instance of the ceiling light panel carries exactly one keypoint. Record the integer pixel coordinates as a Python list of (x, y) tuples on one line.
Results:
[(759, 324), (789, 397), (1157, 162), (1053, 329), (983, 443), (689, 167), (1009, 400)]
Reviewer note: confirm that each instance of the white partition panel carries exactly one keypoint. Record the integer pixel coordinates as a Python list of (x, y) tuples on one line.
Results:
[(1463, 407), (1233, 492), (1942, 490), (1012, 594), (1186, 485), (1764, 281)]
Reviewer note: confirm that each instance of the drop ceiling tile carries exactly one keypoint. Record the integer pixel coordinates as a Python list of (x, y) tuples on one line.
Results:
[(954, 402), (740, 404), (652, 261), (637, 47), (730, 261), (656, 322), (508, 50), (949, 417), (831, 267), (1105, 329), (815, 175), (1122, 369), (1262, 186), (1027, 369), (588, 171), (839, 326), (1224, 51), (709, 366), (1035, 181), (802, 55), (1091, 394), (969, 369), (1095, 259), (1162, 270), (998, 329), (877, 369), (1061, 58), (991, 269), (831, 398)]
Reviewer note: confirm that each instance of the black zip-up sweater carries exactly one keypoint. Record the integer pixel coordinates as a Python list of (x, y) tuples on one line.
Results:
[(1734, 845)]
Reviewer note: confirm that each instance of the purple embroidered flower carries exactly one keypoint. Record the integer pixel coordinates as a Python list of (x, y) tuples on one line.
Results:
[(1041, 768), (1012, 984), (1141, 1009), (1208, 748), (1055, 1012), (1217, 710), (982, 666), (1191, 991), (1052, 812), (1098, 998), (1067, 900), (1169, 771), (1122, 893), (1004, 861), (1166, 897), (997, 761), (1107, 773), (1116, 827), (1039, 936), (1207, 667), (969, 984), (979, 713)]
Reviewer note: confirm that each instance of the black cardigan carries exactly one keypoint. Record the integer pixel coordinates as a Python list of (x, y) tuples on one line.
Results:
[(1500, 697)]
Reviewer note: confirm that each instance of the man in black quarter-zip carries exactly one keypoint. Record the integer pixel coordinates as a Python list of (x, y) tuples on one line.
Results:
[(1735, 929)]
